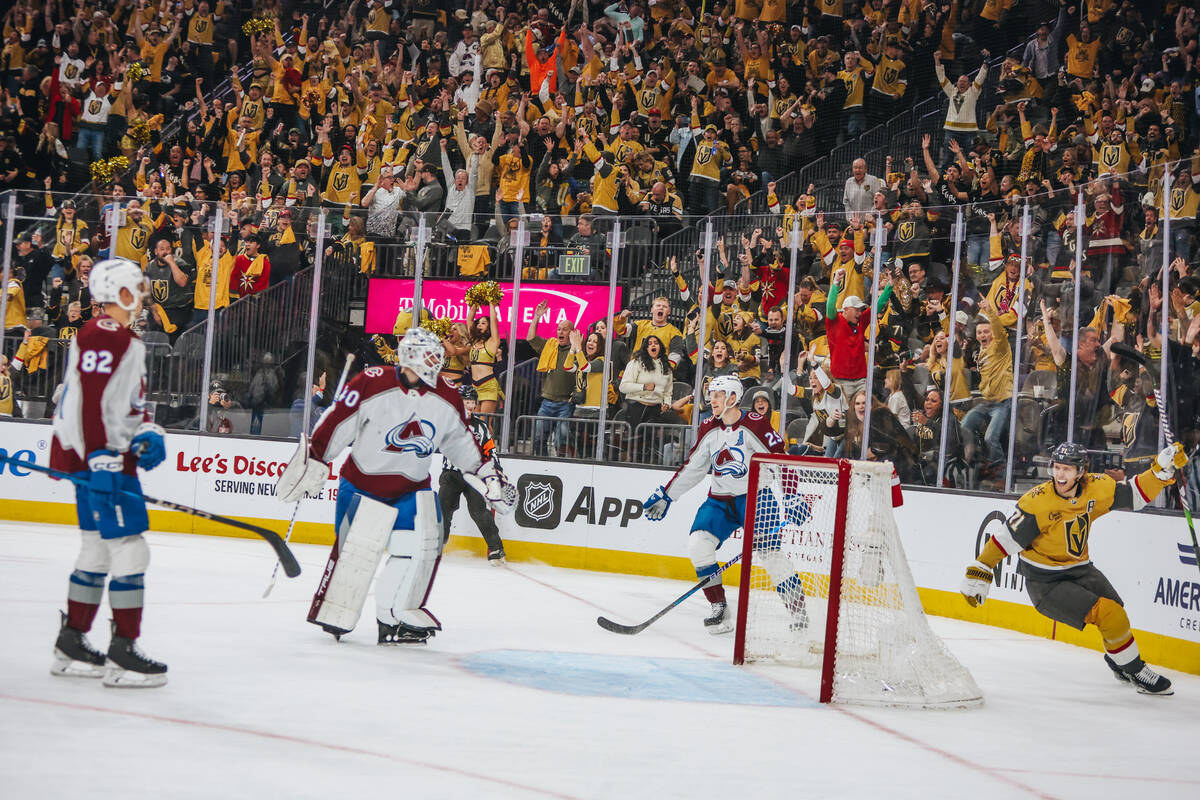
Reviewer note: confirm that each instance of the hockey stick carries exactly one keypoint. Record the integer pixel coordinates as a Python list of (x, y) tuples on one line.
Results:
[(304, 447), (290, 566), (617, 627), (1124, 350)]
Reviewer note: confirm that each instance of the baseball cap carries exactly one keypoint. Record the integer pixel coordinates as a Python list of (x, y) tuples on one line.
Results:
[(962, 318), (710, 127), (853, 301)]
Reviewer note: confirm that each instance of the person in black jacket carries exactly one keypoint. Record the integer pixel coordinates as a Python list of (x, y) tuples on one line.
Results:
[(452, 486)]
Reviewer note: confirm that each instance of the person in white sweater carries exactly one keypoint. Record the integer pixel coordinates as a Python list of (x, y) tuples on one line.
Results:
[(897, 402), (960, 125), (460, 193), (646, 384)]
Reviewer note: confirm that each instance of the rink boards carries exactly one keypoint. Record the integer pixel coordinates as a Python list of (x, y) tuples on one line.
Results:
[(589, 517)]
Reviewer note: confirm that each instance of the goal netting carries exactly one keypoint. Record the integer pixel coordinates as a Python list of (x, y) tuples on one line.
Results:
[(826, 584)]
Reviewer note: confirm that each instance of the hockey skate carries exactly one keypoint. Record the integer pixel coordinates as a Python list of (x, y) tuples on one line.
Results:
[(127, 668), (1146, 680), (74, 656), (402, 634), (496, 557), (795, 606), (720, 620), (1118, 673)]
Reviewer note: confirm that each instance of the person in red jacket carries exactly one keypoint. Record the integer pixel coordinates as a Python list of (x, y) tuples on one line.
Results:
[(63, 108), (251, 270), (847, 332)]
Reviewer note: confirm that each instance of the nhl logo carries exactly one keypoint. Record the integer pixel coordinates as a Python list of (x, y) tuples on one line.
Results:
[(540, 501)]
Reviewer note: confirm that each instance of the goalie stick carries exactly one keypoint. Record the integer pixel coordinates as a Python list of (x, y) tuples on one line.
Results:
[(629, 630), (304, 447), (1124, 350), (290, 566)]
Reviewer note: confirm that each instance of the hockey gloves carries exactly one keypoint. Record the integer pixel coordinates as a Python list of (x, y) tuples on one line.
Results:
[(656, 505), (491, 482), (976, 584), (104, 480), (302, 475), (149, 445), (1170, 459)]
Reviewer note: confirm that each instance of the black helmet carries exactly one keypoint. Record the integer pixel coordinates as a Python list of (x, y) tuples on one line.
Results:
[(1068, 453), (468, 392)]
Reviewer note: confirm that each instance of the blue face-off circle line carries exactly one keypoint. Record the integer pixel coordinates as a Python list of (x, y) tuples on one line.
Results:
[(632, 677)]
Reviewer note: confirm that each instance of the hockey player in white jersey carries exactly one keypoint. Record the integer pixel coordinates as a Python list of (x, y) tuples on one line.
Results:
[(102, 432), (393, 419), (724, 445)]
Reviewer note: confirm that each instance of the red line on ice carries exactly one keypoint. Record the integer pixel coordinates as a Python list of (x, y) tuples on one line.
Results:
[(217, 726)]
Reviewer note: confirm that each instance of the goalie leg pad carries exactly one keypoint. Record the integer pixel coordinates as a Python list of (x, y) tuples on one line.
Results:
[(362, 538), (414, 550)]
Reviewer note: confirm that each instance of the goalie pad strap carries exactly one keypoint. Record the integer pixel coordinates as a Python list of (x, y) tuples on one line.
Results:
[(343, 588), (413, 555)]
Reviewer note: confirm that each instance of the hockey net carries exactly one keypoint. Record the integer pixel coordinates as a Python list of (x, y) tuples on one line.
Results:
[(825, 584)]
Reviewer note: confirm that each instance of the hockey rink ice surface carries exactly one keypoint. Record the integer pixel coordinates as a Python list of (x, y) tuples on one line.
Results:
[(523, 695)]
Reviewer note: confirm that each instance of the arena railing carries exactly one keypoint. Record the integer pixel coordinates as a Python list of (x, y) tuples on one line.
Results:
[(266, 362)]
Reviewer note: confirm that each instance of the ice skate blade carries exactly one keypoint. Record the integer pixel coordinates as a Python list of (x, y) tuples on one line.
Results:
[(405, 643), (118, 678), (66, 667), (1170, 690), (722, 628)]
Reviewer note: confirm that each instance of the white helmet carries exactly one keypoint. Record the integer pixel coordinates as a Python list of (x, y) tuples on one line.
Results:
[(730, 385), (110, 276), (422, 352)]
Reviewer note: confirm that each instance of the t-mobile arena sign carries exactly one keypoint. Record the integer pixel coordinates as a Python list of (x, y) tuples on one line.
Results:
[(580, 304)]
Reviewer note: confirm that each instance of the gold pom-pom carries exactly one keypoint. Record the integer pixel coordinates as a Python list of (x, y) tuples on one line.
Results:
[(137, 71), (487, 293), (139, 132), (439, 327), (118, 164), (101, 171), (257, 25)]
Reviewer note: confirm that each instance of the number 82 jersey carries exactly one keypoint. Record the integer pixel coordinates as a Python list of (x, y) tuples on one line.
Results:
[(103, 395)]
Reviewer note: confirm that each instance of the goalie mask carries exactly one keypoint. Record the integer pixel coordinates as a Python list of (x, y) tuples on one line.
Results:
[(110, 276), (422, 352)]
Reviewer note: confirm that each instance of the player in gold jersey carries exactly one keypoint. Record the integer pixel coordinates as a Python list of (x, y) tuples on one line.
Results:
[(1049, 534)]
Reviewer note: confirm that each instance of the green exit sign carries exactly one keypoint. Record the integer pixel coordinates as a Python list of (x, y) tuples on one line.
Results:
[(574, 263)]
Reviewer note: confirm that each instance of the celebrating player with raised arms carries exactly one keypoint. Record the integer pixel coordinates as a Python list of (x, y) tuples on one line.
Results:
[(102, 432), (393, 419), (724, 445), (1049, 534)]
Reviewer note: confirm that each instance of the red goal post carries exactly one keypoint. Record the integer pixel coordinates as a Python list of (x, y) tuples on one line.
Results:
[(825, 584)]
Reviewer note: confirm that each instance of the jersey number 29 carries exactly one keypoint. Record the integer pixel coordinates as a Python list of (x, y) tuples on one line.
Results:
[(99, 361)]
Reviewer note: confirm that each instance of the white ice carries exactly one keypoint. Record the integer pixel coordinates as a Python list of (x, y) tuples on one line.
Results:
[(261, 704)]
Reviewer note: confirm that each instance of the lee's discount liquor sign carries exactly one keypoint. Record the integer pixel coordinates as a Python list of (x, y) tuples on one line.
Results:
[(580, 304)]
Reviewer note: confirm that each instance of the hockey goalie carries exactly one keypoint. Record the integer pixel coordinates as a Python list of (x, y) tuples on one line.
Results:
[(393, 419)]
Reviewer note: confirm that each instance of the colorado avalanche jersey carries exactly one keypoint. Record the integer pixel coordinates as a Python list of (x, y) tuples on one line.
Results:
[(103, 398), (725, 451), (393, 432)]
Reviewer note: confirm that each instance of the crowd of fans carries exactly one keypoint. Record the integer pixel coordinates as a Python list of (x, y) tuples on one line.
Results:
[(566, 116)]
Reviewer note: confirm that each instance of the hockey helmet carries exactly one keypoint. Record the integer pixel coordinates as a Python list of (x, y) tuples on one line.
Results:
[(109, 276), (1070, 453), (422, 352), (468, 392), (730, 385)]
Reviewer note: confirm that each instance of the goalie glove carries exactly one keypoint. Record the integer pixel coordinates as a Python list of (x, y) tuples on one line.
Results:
[(302, 475), (656, 505), (1170, 459), (491, 482), (976, 584)]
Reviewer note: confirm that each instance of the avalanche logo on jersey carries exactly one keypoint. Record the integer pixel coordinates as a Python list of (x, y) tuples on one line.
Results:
[(414, 436), (730, 460)]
